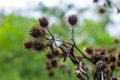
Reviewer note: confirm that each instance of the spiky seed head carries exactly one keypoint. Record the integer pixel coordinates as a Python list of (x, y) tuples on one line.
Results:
[(43, 22), (73, 20)]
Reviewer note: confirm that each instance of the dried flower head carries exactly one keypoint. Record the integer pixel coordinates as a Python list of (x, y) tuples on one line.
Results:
[(28, 44), (43, 22), (39, 46), (73, 20), (37, 32)]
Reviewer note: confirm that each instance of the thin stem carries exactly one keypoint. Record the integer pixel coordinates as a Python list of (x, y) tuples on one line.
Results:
[(73, 39), (52, 36), (75, 47), (83, 54)]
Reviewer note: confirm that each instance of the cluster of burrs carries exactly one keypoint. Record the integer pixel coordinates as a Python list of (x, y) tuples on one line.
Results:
[(42, 39)]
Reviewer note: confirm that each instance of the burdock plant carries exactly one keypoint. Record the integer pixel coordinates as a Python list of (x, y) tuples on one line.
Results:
[(104, 64)]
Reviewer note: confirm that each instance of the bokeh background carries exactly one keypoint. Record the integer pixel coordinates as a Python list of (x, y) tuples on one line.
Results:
[(18, 16)]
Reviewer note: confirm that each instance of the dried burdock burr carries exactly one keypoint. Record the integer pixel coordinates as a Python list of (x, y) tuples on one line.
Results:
[(48, 65), (89, 50), (54, 62), (102, 10), (106, 59), (99, 58), (56, 51), (73, 20), (116, 41), (119, 55), (95, 1), (49, 55), (43, 22), (28, 44), (114, 78), (112, 49), (50, 73), (38, 45), (112, 66), (35, 32), (96, 57), (118, 62), (112, 58)]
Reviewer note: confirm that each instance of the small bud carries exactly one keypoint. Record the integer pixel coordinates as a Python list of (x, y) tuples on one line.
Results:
[(43, 22), (28, 44), (72, 20)]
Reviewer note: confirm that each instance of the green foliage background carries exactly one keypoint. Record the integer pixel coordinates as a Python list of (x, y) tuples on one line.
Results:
[(16, 63)]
